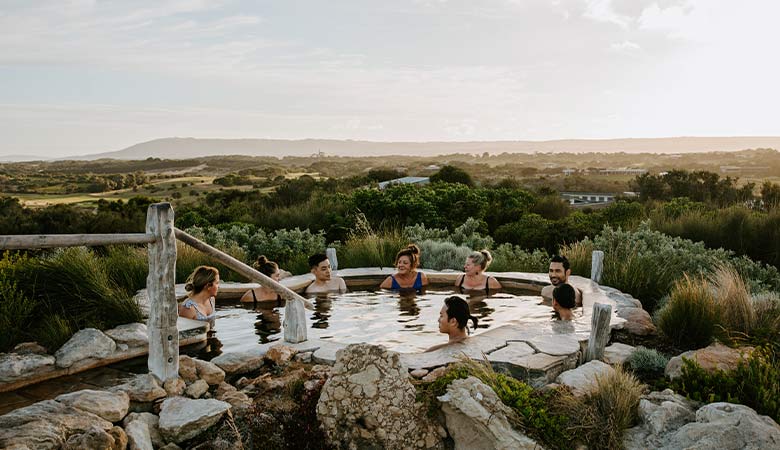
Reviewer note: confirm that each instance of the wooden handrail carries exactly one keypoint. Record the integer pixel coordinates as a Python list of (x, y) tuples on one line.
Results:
[(241, 268), (30, 241)]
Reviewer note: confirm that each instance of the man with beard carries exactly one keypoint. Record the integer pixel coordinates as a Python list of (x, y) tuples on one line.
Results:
[(559, 274)]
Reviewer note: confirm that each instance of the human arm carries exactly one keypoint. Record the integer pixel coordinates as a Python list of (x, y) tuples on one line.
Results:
[(423, 279), (493, 283), (187, 312), (387, 284)]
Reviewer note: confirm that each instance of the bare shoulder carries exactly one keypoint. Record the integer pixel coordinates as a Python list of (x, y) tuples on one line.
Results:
[(547, 292), (387, 283), (493, 283), (342, 284), (423, 278)]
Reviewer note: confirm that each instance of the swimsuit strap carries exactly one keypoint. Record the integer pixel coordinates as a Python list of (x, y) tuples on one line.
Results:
[(487, 284), (191, 304), (395, 284), (418, 281), (462, 280)]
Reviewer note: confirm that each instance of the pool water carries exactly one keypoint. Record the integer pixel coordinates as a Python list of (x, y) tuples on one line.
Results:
[(400, 322)]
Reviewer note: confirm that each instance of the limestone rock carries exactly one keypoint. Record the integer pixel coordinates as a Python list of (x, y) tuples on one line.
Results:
[(131, 334), (94, 438), (230, 394), (304, 357), (138, 436), (197, 389), (715, 357), (182, 419), (369, 402), (581, 379), (143, 388), (88, 343), (152, 423), (239, 362), (208, 372), (14, 366), (45, 425), (174, 386), (187, 369), (111, 406), (638, 321), (434, 374), (617, 353), (280, 354), (418, 373), (120, 438), (28, 348), (477, 418), (667, 421)]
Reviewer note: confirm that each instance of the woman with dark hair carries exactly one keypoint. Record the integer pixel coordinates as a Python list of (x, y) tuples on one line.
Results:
[(453, 320), (474, 279), (202, 286), (262, 293), (406, 276)]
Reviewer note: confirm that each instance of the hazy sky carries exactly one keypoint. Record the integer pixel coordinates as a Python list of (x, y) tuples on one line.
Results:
[(88, 76)]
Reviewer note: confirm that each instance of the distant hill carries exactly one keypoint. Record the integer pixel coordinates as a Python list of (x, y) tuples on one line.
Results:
[(181, 148)]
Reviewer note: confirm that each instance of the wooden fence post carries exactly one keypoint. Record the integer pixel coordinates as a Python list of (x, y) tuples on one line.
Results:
[(160, 286), (599, 331), (330, 252), (596, 265)]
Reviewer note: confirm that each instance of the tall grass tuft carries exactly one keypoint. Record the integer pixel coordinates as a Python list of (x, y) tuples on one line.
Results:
[(766, 306), (367, 248), (188, 258), (579, 256), (601, 415), (689, 317), (734, 304), (73, 284), (127, 267), (16, 309)]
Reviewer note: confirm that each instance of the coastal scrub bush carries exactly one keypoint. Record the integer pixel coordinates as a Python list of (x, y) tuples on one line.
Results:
[(646, 263), (689, 317), (127, 266), (16, 308), (188, 258), (440, 255), (755, 382), (646, 363), (512, 258)]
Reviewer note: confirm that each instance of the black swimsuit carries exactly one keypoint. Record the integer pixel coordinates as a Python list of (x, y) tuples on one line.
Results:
[(463, 279), (254, 298)]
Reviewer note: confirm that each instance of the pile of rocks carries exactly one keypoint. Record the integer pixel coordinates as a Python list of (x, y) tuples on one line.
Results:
[(142, 413)]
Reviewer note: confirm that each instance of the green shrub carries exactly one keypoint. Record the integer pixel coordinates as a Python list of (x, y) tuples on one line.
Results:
[(53, 331), (17, 310), (367, 248), (188, 258), (646, 362), (439, 255), (688, 319), (468, 234), (755, 382), (512, 258)]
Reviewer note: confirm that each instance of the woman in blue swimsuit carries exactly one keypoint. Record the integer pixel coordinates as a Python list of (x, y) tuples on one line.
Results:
[(406, 276), (202, 286)]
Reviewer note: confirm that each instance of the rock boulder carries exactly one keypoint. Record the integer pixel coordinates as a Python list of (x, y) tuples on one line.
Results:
[(111, 406), (182, 419), (582, 379), (368, 401), (477, 418), (131, 334), (715, 357), (15, 366), (88, 343), (46, 425)]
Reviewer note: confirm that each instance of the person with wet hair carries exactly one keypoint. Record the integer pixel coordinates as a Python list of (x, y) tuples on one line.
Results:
[(202, 286), (323, 279), (559, 273), (406, 276), (564, 301), (453, 321), (263, 293), (474, 279)]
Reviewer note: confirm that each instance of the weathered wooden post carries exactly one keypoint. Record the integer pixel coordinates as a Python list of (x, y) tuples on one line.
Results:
[(160, 286), (596, 265), (599, 331), (330, 252)]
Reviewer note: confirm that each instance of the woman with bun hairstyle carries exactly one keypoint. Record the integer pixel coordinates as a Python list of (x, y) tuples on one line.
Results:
[(453, 320), (474, 279), (202, 286), (406, 276), (262, 293)]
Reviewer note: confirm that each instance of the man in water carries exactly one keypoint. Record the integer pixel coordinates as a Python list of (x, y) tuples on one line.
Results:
[(323, 281), (559, 273), (563, 301)]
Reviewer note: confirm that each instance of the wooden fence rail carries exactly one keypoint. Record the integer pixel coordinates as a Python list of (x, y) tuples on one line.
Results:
[(28, 241)]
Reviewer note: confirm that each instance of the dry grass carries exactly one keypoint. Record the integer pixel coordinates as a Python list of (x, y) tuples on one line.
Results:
[(601, 415), (690, 315), (734, 304)]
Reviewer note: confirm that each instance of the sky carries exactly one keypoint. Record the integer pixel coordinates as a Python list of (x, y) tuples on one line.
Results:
[(90, 76)]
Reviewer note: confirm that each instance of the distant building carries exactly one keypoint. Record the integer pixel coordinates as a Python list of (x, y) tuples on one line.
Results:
[(405, 180), (583, 198), (623, 171), (432, 167), (568, 172), (738, 169)]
